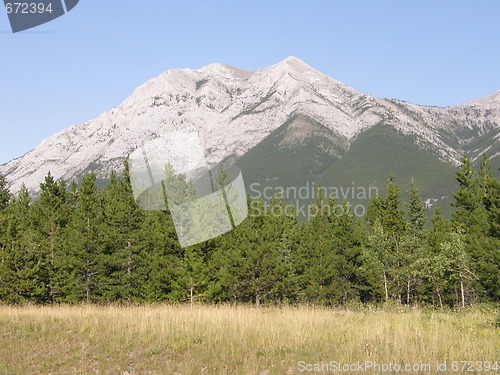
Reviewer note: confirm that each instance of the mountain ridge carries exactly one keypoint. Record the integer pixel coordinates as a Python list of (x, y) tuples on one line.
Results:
[(233, 110)]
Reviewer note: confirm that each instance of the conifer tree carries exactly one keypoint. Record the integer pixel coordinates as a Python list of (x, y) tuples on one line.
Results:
[(194, 273), (24, 266), (123, 228), (415, 209), (4, 200), (317, 268), (490, 192), (474, 208), (386, 211), (348, 242), (439, 230), (163, 258), (86, 244), (15, 221), (413, 244), (392, 216), (4, 193), (255, 258), (469, 212), (50, 215)]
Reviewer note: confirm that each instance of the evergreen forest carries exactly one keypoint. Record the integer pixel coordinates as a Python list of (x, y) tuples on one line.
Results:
[(81, 244)]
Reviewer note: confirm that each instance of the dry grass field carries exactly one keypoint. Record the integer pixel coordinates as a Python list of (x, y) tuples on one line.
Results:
[(180, 339)]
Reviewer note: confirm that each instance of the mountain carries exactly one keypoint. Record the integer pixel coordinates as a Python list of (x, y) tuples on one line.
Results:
[(284, 124)]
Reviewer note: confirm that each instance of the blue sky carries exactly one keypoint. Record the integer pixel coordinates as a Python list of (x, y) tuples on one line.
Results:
[(89, 60)]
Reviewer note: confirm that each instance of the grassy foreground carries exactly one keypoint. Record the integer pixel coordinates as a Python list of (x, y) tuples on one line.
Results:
[(181, 339)]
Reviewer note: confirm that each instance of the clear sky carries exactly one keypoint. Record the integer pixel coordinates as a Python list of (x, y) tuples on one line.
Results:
[(89, 60)]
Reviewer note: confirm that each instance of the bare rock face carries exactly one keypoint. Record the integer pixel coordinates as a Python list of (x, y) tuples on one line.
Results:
[(232, 110)]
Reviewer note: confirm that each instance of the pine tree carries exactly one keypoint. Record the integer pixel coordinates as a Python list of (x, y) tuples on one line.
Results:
[(386, 211), (469, 213), (255, 259), (413, 244), (475, 207), (415, 209), (392, 216), (221, 184), (14, 222), (439, 231), (490, 192), (162, 258), (348, 241), (485, 255), (4, 193), (4, 200), (317, 266), (194, 273), (123, 227), (50, 214), (23, 271), (86, 245)]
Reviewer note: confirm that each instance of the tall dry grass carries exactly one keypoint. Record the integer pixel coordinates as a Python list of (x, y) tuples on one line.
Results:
[(203, 339)]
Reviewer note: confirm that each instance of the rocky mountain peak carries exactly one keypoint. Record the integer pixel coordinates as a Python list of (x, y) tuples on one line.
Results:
[(233, 110)]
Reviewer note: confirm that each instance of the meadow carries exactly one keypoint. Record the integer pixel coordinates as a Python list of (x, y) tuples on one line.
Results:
[(227, 339)]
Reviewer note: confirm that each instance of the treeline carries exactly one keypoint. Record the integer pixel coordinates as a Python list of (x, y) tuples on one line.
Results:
[(80, 244)]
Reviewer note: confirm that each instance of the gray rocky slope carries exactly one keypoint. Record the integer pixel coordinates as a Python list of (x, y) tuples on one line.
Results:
[(232, 110)]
